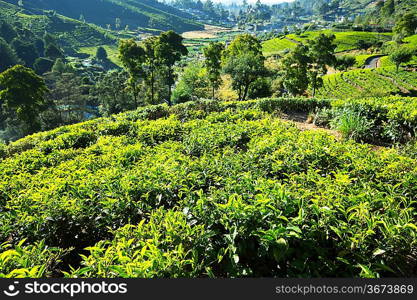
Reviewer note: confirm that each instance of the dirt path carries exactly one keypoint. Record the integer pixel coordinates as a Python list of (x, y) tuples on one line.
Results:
[(303, 123), (373, 62)]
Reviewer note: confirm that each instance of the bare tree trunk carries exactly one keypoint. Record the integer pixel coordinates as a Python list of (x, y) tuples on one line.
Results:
[(135, 96), (152, 86), (169, 95), (245, 92)]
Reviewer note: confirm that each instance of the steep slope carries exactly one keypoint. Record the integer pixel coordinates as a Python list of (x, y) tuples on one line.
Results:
[(134, 13), (70, 33)]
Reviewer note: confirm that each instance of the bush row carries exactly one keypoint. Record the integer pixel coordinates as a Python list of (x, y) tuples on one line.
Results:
[(389, 119), (207, 189)]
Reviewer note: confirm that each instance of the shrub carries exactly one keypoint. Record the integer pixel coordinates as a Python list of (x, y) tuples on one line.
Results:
[(166, 246), (214, 189), (3, 150), (32, 261), (353, 125)]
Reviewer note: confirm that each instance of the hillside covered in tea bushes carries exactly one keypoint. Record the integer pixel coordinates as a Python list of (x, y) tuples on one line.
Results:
[(133, 13), (213, 189)]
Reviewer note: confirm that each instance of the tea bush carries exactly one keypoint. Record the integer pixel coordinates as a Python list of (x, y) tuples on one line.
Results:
[(386, 119), (2, 150), (34, 261), (209, 189)]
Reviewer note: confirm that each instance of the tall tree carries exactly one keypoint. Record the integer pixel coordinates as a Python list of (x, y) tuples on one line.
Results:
[(306, 64), (401, 55), (213, 57), (244, 62), (132, 56), (70, 94), (389, 8), (406, 25), (26, 51), (7, 32), (22, 94), (169, 50), (294, 68), (40, 46), (151, 63), (8, 57), (101, 54), (112, 93), (53, 52), (321, 53), (117, 23), (193, 84)]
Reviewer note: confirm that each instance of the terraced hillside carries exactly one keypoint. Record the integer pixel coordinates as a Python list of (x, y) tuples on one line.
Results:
[(369, 82), (409, 42), (71, 33), (205, 189), (134, 13), (345, 41)]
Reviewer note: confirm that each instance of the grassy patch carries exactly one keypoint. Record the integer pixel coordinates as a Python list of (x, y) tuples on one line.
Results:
[(112, 52)]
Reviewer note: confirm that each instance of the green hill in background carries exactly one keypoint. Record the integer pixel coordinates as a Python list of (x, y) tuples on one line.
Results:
[(345, 41), (71, 33), (134, 13)]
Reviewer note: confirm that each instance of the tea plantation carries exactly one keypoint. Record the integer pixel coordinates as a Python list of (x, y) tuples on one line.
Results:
[(369, 82), (206, 189), (345, 41)]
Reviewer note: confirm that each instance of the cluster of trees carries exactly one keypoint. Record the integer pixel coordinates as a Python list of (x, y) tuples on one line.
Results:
[(298, 8), (212, 10), (152, 73), (406, 25), (242, 61), (307, 63), (30, 103), (400, 54), (254, 14), (150, 65), (298, 71), (19, 45), (29, 63), (388, 12), (22, 98)]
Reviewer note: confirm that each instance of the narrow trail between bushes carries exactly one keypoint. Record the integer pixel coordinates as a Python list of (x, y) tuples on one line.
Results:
[(301, 120), (373, 62)]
